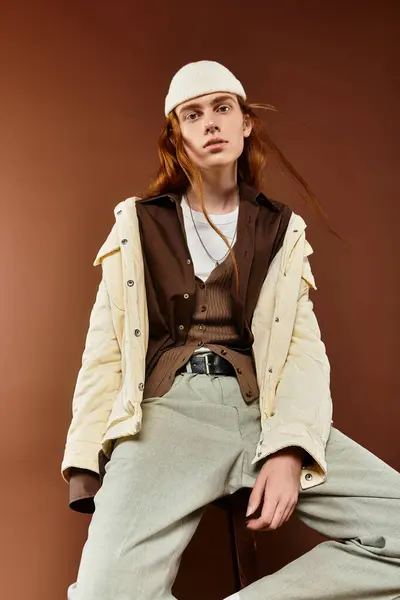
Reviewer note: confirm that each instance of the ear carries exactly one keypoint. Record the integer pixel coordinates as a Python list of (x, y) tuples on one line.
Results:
[(247, 126)]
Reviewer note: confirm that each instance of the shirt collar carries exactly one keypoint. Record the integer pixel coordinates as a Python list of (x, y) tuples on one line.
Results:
[(247, 193)]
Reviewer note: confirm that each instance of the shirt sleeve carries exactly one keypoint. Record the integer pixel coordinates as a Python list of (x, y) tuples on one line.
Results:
[(83, 486)]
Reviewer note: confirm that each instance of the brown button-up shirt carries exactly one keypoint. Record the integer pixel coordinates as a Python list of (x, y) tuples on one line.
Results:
[(171, 283)]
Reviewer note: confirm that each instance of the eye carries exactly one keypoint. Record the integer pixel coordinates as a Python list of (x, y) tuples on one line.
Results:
[(224, 106), (188, 116)]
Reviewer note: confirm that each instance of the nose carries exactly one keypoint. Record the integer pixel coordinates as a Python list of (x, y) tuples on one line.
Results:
[(212, 127)]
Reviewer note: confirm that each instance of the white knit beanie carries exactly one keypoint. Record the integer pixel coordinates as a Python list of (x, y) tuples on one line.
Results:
[(200, 78)]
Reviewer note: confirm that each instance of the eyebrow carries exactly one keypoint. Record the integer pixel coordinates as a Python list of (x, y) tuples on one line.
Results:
[(196, 105)]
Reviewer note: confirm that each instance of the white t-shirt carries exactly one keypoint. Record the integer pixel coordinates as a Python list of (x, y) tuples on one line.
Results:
[(202, 263)]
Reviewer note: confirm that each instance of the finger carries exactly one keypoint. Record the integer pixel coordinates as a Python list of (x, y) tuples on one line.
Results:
[(293, 505), (267, 514), (271, 502), (256, 494), (286, 514), (276, 520), (289, 511), (283, 512), (292, 511)]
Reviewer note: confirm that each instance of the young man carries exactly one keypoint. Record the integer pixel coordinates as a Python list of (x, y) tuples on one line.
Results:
[(204, 372)]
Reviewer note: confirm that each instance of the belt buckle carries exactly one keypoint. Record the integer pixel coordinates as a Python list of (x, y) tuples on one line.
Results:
[(207, 364)]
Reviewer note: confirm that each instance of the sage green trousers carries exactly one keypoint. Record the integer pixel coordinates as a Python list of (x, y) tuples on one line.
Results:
[(196, 445)]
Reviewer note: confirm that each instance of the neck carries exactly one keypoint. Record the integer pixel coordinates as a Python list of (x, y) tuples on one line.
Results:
[(220, 192)]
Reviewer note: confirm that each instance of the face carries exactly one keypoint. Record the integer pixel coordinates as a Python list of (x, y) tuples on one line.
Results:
[(212, 117)]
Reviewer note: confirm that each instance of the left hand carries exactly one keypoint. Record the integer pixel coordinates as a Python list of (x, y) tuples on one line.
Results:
[(278, 485)]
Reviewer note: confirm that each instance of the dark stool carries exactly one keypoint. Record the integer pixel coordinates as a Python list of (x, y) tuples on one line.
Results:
[(242, 540)]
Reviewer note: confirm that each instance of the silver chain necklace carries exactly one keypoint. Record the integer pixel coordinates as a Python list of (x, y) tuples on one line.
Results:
[(216, 262)]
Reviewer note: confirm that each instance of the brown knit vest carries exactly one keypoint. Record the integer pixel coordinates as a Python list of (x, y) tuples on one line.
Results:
[(212, 327)]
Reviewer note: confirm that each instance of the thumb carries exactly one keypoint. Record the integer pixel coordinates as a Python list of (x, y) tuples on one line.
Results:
[(256, 494)]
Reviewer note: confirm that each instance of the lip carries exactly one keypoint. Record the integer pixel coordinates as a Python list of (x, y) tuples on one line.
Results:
[(215, 142)]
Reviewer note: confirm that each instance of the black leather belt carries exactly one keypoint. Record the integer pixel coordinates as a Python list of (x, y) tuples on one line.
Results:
[(210, 364)]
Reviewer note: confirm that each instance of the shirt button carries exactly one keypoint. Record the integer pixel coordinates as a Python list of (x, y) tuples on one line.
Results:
[(200, 326), (130, 283), (181, 327), (259, 454), (119, 212), (239, 371), (203, 308), (308, 477), (277, 320), (189, 262), (141, 387), (137, 332), (124, 241), (186, 296), (270, 370), (202, 286), (249, 394)]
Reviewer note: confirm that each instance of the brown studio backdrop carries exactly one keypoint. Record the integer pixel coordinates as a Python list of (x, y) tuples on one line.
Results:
[(82, 94)]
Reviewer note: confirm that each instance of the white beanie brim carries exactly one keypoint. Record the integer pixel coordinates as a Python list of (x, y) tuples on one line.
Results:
[(198, 79)]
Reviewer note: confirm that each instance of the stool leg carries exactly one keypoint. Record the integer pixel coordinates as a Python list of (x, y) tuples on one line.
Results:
[(234, 548), (245, 541)]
